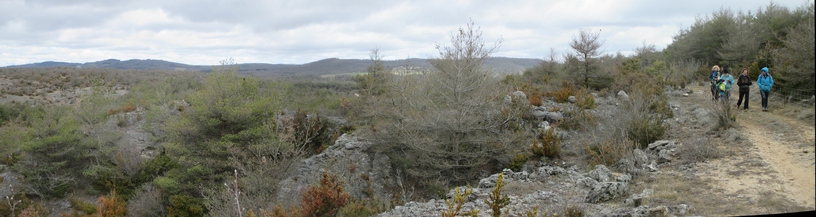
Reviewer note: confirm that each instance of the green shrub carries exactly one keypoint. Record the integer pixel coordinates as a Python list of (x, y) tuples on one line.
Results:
[(644, 130), (455, 205), (645, 110), (9, 111), (573, 211), (167, 184), (584, 100), (55, 152), (184, 206), (496, 200), (224, 120), (82, 206), (518, 162)]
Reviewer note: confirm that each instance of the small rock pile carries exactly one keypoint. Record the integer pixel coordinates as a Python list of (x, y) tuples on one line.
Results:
[(553, 188)]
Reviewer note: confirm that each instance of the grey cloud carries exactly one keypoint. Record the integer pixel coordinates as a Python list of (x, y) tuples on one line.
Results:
[(307, 30)]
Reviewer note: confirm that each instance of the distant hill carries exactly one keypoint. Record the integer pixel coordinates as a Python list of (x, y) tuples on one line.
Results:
[(500, 65)]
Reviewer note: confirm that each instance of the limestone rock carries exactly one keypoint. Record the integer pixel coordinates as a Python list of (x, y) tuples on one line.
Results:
[(622, 95), (600, 173), (519, 94), (347, 152), (606, 191), (553, 117)]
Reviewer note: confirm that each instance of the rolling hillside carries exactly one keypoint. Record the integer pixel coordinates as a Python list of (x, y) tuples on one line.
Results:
[(500, 65)]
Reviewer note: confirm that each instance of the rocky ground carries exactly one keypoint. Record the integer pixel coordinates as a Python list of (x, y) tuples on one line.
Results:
[(764, 165)]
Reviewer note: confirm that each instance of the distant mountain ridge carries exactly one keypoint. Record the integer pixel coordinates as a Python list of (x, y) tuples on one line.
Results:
[(500, 65)]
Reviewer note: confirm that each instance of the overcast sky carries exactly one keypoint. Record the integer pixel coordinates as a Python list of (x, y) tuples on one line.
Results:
[(203, 32)]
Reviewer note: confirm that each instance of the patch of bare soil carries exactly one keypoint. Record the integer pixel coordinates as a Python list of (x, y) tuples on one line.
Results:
[(769, 164)]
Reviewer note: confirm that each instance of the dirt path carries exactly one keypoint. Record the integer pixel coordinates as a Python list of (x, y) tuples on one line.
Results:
[(786, 145), (774, 157)]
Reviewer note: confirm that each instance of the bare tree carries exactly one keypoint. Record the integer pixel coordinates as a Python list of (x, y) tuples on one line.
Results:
[(587, 50)]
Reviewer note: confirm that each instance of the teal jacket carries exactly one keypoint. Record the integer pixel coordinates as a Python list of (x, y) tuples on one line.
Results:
[(765, 80), (728, 80)]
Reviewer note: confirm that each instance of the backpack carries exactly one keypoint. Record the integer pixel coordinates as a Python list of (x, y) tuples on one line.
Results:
[(721, 85)]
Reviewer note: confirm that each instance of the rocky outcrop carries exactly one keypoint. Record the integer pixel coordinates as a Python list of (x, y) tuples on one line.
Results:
[(549, 188), (605, 191), (364, 174), (663, 149)]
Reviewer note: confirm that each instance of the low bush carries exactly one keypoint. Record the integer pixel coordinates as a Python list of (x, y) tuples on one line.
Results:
[(584, 100), (496, 200), (725, 115), (518, 161), (578, 119), (644, 113), (183, 205), (608, 152), (325, 199), (573, 211), (81, 207), (567, 89), (146, 201), (698, 149), (535, 99), (18, 204), (110, 206), (546, 144), (454, 205), (644, 130)]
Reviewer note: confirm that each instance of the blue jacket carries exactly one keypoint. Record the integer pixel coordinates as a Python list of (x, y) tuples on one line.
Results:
[(713, 77), (765, 82), (728, 80)]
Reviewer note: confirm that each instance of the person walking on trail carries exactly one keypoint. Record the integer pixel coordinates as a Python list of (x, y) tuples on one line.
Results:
[(724, 85), (765, 82), (713, 78), (744, 83)]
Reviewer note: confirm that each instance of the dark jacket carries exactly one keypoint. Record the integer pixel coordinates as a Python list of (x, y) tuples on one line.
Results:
[(744, 83)]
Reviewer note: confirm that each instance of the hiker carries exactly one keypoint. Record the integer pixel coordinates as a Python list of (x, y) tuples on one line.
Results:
[(713, 78), (744, 82), (765, 82), (724, 85)]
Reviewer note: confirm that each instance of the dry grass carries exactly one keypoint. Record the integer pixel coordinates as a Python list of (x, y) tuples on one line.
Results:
[(669, 189), (725, 116), (698, 149)]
